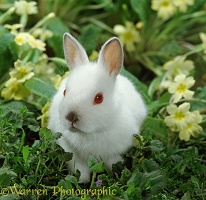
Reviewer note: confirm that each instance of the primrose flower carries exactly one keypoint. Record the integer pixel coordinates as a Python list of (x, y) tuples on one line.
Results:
[(94, 55), (179, 116), (13, 28), (203, 38), (22, 72), (192, 128), (45, 115), (26, 38), (165, 8), (180, 87), (36, 44), (128, 35), (57, 80), (14, 90), (182, 4), (178, 66), (44, 68), (43, 34), (22, 38), (24, 7)]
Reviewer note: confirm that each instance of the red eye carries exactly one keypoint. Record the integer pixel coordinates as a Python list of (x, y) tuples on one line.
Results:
[(98, 98), (64, 93)]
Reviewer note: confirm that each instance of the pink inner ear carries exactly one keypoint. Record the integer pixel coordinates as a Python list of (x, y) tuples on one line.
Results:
[(113, 56), (71, 52)]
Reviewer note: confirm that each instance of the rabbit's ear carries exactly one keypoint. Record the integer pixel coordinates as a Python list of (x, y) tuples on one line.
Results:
[(74, 53), (111, 56)]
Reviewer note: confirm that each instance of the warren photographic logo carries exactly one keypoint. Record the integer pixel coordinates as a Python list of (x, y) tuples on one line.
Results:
[(57, 191)]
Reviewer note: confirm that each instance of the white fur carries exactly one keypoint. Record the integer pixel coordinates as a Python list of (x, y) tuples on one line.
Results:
[(103, 130)]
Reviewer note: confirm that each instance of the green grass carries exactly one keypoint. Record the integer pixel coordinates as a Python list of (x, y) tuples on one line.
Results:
[(34, 167)]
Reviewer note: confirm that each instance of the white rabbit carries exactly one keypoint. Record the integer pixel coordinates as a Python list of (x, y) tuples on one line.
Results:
[(96, 109)]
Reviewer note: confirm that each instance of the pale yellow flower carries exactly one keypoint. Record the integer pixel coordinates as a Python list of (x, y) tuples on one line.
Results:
[(192, 127), (128, 35), (43, 34), (36, 44), (94, 55), (24, 7), (179, 88), (183, 4), (26, 38), (178, 66), (203, 38), (14, 90), (45, 114), (165, 8), (179, 116), (22, 38), (22, 72), (44, 68), (56, 80), (13, 28)]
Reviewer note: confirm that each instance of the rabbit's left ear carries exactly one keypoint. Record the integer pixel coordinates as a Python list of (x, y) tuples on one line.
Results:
[(74, 53), (111, 56)]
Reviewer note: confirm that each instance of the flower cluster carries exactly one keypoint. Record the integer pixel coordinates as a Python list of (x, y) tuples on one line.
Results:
[(30, 43), (180, 119), (183, 121), (128, 34), (167, 8), (14, 88), (26, 38)]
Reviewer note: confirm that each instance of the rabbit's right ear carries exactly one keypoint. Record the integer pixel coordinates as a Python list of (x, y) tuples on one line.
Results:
[(74, 52)]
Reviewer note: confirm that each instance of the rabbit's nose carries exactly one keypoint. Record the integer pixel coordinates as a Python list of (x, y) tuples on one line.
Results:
[(72, 117)]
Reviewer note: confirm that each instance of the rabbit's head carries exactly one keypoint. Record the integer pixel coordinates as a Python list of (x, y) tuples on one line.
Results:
[(89, 104)]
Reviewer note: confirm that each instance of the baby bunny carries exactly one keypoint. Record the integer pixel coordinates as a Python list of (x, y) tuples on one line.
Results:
[(96, 109)]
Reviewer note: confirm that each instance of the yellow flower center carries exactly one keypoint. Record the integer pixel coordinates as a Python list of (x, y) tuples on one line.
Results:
[(179, 115), (15, 88), (128, 36), (23, 71), (19, 40), (165, 4), (181, 88)]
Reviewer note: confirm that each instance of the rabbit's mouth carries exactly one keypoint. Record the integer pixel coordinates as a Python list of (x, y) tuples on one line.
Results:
[(75, 130)]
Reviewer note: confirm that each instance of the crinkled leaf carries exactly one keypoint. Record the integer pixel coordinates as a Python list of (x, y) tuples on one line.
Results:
[(58, 28), (157, 126), (41, 87), (142, 8), (150, 165), (89, 33)]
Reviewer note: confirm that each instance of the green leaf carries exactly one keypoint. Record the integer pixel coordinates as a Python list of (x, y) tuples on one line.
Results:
[(138, 179), (199, 104), (156, 146), (142, 8), (94, 165), (150, 165), (157, 126), (71, 179), (158, 183), (89, 33), (58, 29), (91, 161), (8, 51), (25, 152), (5, 177), (41, 87)]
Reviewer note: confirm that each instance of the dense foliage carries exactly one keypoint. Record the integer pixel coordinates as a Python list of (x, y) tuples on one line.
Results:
[(165, 57)]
